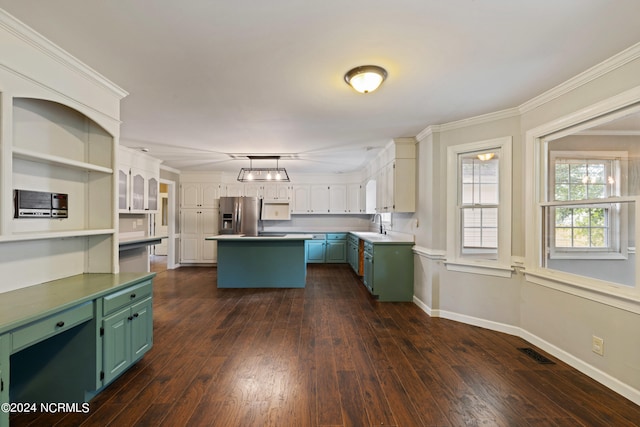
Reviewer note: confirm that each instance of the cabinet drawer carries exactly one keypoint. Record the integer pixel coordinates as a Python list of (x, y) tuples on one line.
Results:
[(368, 247), (337, 236), (50, 326), (129, 295)]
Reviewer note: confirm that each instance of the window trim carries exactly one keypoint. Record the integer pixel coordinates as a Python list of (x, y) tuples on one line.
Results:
[(616, 295), (456, 260)]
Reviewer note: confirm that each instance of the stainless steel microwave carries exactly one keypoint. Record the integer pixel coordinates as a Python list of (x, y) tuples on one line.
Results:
[(39, 204)]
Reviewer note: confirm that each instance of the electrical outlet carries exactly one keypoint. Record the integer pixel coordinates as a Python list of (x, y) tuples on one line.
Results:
[(597, 345)]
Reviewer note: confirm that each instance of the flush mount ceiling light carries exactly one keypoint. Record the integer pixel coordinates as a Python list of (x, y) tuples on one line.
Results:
[(251, 174), (486, 156), (365, 78)]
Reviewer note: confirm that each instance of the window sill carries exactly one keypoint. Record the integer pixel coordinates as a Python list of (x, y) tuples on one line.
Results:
[(619, 296), (485, 268), (607, 256)]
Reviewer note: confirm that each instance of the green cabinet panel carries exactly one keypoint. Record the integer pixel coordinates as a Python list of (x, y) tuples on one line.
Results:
[(4, 377), (353, 253), (128, 334), (126, 297), (336, 251), (141, 328), (52, 325), (388, 271), (315, 251), (116, 344)]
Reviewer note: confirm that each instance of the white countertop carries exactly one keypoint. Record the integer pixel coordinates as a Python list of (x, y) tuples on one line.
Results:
[(262, 238), (370, 236)]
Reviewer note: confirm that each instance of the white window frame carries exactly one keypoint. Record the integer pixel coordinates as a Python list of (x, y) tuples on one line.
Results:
[(479, 263), (616, 295), (617, 221)]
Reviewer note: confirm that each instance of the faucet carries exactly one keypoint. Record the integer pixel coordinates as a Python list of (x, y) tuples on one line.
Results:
[(373, 220)]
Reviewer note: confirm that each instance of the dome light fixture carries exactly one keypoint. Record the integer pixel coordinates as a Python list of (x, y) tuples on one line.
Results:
[(365, 78)]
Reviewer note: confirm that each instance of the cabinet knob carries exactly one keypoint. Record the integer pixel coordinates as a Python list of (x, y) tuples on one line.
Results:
[(135, 314), (133, 295), (60, 324), (130, 317)]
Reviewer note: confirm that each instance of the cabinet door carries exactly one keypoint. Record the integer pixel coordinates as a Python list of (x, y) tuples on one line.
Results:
[(338, 198), (273, 191), (319, 199), (300, 199), (368, 272), (137, 190), (123, 189), (235, 190), (315, 251), (141, 328), (336, 251), (116, 344), (190, 235), (210, 193), (190, 195), (353, 198), (404, 185), (208, 227), (253, 190), (153, 188)]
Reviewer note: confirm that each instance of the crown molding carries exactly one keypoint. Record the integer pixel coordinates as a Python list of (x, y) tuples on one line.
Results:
[(53, 51), (616, 61), (630, 54), (463, 123)]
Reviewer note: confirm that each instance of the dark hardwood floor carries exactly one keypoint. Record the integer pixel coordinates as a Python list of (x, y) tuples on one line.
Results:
[(330, 355)]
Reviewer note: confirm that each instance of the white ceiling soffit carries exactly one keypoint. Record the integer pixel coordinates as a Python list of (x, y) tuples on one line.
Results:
[(210, 78)]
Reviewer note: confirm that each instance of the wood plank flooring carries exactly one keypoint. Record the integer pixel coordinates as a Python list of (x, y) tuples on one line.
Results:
[(330, 355)]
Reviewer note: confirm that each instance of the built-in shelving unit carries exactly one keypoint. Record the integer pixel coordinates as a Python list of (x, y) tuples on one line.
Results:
[(59, 133)]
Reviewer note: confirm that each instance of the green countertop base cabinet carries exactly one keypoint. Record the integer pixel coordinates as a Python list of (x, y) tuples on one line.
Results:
[(261, 264), (388, 273), (56, 344)]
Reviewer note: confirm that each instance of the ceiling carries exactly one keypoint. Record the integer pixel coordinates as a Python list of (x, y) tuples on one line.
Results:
[(210, 79)]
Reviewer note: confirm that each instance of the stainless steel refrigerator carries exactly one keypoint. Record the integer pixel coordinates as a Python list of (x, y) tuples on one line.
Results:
[(239, 215)]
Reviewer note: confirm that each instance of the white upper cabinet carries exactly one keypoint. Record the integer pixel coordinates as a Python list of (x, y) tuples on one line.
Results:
[(233, 190), (274, 191), (253, 190), (138, 182), (301, 199), (354, 195), (396, 179), (320, 199), (338, 198), (199, 195)]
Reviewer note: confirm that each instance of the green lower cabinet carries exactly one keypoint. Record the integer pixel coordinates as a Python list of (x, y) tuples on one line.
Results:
[(4, 378), (388, 271), (316, 251), (336, 251), (128, 334), (116, 344)]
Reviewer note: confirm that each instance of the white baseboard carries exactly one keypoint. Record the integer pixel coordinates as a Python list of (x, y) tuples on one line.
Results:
[(579, 364)]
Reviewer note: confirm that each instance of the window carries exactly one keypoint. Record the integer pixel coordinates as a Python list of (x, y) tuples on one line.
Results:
[(479, 203), (591, 227), (479, 207)]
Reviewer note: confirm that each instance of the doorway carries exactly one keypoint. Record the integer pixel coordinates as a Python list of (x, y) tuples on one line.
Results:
[(163, 223)]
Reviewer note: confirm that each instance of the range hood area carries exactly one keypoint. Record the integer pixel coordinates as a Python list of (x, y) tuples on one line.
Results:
[(275, 210)]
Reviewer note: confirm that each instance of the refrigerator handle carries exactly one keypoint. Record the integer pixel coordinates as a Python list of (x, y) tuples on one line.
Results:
[(238, 206)]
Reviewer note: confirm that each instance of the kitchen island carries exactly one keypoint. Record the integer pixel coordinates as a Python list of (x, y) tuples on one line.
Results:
[(274, 261)]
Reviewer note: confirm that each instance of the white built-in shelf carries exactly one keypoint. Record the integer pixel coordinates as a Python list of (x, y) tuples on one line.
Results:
[(20, 237), (34, 156)]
